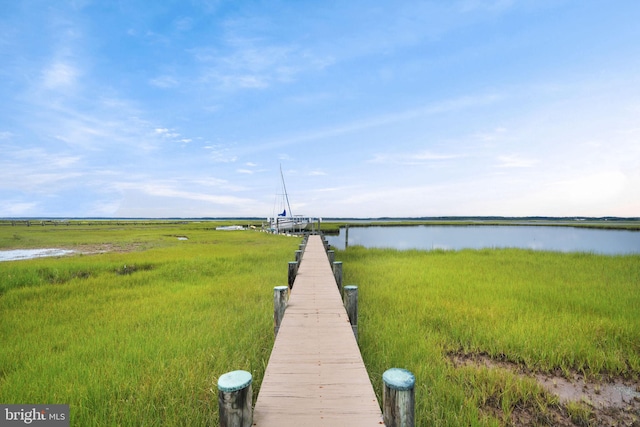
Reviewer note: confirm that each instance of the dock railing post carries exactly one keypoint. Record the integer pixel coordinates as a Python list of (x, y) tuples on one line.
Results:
[(280, 294), (398, 398), (234, 399), (332, 256), (293, 270), (351, 305), (298, 255), (337, 273)]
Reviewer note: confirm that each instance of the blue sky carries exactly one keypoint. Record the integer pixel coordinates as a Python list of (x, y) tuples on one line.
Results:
[(373, 108)]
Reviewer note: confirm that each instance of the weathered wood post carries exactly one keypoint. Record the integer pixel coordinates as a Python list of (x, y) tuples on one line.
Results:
[(346, 236), (293, 270), (332, 256), (398, 398), (298, 256), (234, 399), (351, 305), (337, 273), (280, 294)]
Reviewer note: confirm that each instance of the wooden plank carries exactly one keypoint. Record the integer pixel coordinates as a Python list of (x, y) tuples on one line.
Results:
[(315, 375)]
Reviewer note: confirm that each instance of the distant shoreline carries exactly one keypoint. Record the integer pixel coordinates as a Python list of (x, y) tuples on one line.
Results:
[(329, 219)]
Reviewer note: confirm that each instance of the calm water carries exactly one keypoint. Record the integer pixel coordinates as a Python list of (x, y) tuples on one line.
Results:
[(563, 239), (19, 254)]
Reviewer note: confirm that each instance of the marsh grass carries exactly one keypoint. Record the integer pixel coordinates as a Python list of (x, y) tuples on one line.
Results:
[(541, 311), (139, 338), (140, 334)]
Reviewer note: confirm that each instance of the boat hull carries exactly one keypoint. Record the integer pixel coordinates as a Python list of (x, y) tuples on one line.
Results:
[(281, 224)]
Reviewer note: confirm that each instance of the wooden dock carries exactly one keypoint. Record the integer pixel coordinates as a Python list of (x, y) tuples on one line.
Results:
[(315, 375)]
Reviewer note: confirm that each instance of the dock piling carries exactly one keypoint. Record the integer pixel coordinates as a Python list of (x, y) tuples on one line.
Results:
[(234, 399), (351, 305), (398, 398), (337, 273), (293, 270), (280, 294)]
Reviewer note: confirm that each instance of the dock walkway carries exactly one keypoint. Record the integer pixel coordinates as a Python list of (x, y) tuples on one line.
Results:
[(316, 376)]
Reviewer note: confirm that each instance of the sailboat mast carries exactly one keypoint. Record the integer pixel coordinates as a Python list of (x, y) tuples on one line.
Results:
[(286, 196)]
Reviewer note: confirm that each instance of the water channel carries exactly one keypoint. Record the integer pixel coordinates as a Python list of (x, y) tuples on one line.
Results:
[(549, 238)]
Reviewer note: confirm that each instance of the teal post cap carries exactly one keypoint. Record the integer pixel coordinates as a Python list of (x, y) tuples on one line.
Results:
[(234, 381), (399, 379), (280, 288), (350, 287)]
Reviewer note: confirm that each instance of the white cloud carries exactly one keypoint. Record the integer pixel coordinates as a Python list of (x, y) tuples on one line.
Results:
[(415, 158), (14, 208), (596, 194), (241, 81), (59, 75), (220, 153), (492, 135), (165, 82), (515, 161), (45, 168)]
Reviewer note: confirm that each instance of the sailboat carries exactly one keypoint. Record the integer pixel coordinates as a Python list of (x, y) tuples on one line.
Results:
[(286, 221)]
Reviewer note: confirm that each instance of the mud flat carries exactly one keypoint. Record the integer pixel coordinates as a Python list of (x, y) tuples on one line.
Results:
[(606, 401)]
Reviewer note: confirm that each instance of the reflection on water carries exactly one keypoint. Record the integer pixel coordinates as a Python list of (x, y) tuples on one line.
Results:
[(563, 239), (19, 254)]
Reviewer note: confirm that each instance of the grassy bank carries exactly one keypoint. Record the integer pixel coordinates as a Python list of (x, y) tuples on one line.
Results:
[(137, 336), (539, 311)]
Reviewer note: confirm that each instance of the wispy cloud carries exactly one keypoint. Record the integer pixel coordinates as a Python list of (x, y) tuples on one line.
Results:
[(220, 153), (515, 161), (243, 62), (490, 5), (46, 169), (412, 158), (165, 82), (59, 75), (433, 109), (12, 208)]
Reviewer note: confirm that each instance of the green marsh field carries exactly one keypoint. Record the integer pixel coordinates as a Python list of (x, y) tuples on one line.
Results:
[(136, 327)]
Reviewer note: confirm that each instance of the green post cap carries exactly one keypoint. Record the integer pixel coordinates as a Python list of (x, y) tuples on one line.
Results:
[(399, 379), (234, 381), (350, 287)]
